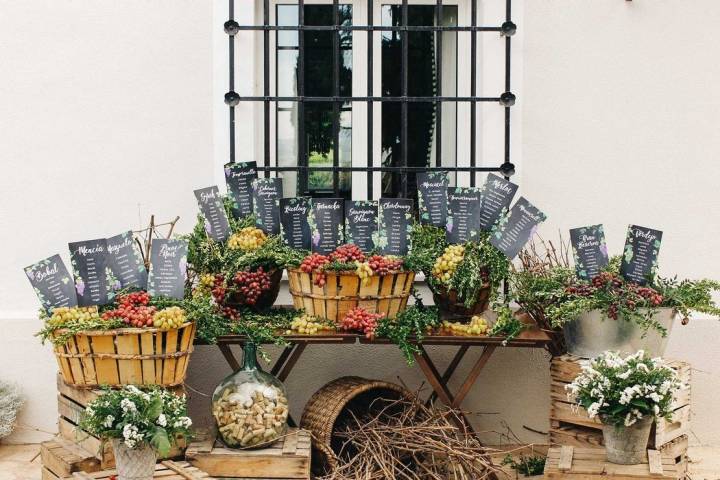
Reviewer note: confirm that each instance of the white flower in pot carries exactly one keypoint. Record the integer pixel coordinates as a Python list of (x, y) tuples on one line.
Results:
[(140, 424), (627, 395)]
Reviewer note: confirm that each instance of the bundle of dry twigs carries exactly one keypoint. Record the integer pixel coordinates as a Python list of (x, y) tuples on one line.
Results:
[(405, 440)]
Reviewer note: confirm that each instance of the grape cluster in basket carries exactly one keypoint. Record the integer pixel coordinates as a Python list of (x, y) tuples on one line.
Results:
[(350, 254), (359, 319), (134, 310), (244, 288)]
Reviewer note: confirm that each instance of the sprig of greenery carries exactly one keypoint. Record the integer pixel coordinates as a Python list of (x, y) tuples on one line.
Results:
[(528, 466), (409, 328), (427, 243), (689, 296), (507, 324), (60, 335), (264, 328), (480, 257)]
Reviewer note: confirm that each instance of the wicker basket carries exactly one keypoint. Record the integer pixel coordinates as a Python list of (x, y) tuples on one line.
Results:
[(451, 307), (334, 403), (344, 291), (126, 356), (266, 298)]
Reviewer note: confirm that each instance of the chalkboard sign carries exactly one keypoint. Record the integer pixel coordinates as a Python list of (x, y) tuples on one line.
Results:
[(361, 223), (463, 217), (217, 225), (266, 197), (125, 261), (395, 217), (639, 261), (432, 198), (168, 267), (93, 277), (589, 250), (52, 283), (326, 224), (294, 223), (515, 229), (497, 197), (239, 177)]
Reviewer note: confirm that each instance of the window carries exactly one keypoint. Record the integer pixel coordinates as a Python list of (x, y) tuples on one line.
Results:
[(356, 96)]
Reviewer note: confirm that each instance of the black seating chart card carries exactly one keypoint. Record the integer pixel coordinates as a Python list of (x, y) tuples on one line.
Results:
[(92, 273), (497, 197), (168, 267), (432, 198), (640, 255), (266, 193), (361, 223), (515, 229), (239, 177), (395, 217), (294, 223), (217, 225), (326, 224), (52, 283), (463, 214), (589, 250), (126, 262)]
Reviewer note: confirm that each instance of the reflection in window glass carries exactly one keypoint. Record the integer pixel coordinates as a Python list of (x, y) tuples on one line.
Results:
[(318, 82), (422, 82)]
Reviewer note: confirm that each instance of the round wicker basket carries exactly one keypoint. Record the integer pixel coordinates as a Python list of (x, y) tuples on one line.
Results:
[(266, 298), (343, 291), (451, 308), (333, 404), (126, 356)]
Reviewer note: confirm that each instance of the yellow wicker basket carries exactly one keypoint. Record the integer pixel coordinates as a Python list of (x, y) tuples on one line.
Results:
[(343, 291), (126, 356)]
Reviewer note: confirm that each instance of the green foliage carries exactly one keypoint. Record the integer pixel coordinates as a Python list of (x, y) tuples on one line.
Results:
[(622, 391), (60, 334), (535, 291), (409, 328), (263, 328), (203, 311), (151, 416), (528, 466), (480, 257), (688, 296), (507, 324), (426, 245)]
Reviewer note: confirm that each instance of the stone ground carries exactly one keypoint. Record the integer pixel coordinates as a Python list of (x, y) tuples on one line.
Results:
[(22, 462)]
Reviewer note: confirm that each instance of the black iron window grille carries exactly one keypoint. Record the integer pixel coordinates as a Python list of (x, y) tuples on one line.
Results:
[(401, 28)]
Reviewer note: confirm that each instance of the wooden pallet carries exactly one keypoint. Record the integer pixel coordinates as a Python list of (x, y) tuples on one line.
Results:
[(570, 425), (571, 463), (71, 403), (61, 458), (288, 458), (167, 470)]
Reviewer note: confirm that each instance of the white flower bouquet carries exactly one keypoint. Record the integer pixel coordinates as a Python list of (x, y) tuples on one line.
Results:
[(622, 391), (138, 418)]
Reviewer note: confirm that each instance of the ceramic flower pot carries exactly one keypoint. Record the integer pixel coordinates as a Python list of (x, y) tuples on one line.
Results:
[(134, 463), (592, 333), (627, 445)]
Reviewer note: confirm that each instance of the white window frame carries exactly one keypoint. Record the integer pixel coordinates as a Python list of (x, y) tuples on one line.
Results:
[(490, 56)]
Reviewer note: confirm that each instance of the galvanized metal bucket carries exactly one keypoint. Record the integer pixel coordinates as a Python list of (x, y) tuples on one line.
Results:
[(592, 333)]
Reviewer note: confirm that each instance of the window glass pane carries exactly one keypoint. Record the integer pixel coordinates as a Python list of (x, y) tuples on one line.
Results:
[(422, 82), (317, 121)]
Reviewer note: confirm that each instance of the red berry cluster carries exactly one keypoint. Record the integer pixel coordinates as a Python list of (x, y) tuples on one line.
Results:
[(629, 295), (133, 309), (347, 253), (250, 285), (219, 289), (315, 262), (651, 295), (606, 279), (359, 319), (384, 265)]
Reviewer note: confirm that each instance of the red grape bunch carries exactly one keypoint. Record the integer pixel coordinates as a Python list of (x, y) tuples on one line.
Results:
[(347, 253), (313, 263), (359, 319), (384, 265), (250, 285), (133, 309)]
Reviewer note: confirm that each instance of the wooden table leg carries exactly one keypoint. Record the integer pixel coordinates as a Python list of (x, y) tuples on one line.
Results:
[(473, 375), (229, 357), (281, 360), (449, 371), (294, 356)]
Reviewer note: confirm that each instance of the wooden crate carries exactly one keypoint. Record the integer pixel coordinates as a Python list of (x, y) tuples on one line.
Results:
[(71, 403), (61, 458), (570, 425), (167, 470), (574, 463), (288, 458)]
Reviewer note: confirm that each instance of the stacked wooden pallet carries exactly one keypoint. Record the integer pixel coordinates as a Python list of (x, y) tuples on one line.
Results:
[(288, 458), (577, 463), (167, 470), (76, 450), (570, 425)]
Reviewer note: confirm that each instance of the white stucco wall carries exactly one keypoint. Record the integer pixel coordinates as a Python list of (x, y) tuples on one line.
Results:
[(110, 114)]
